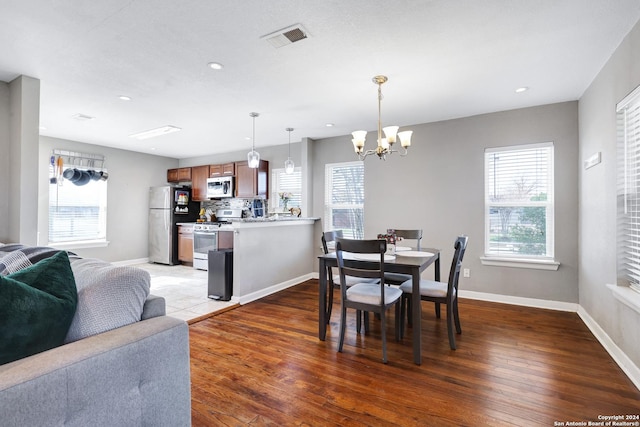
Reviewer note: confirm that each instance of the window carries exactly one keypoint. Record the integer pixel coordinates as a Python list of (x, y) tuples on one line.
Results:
[(628, 194), (344, 198), (282, 182), (77, 213), (519, 202)]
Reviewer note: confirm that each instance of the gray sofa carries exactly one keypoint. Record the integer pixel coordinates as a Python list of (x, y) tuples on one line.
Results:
[(134, 375)]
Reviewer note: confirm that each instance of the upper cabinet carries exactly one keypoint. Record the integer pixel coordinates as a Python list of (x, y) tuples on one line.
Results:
[(227, 169), (252, 182), (179, 175), (249, 182), (199, 175)]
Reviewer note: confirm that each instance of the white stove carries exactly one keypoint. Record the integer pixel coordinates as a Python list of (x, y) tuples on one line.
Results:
[(211, 227), (205, 236)]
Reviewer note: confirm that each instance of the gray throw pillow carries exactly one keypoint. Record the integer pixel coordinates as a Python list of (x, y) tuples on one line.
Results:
[(109, 297)]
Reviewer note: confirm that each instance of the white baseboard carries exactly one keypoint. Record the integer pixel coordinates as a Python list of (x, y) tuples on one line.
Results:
[(244, 299), (527, 302), (131, 261), (628, 367)]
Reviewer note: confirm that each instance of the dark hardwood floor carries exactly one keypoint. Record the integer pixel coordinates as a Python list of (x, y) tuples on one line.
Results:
[(262, 364)]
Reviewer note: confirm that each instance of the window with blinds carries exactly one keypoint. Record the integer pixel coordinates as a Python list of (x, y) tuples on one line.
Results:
[(344, 198), (519, 207), (77, 213), (628, 194), (281, 182)]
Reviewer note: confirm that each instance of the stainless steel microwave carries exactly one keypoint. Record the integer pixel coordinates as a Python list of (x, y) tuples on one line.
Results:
[(220, 187)]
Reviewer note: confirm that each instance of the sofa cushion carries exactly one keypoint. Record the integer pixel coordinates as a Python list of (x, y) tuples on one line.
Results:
[(109, 297), (37, 305)]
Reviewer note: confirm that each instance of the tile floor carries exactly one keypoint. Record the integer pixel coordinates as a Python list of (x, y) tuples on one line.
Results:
[(184, 289)]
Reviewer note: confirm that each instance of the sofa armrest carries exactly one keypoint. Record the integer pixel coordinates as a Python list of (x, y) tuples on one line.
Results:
[(138, 374), (154, 306)]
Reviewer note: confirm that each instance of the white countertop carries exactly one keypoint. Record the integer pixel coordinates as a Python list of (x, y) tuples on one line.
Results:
[(280, 222), (263, 220)]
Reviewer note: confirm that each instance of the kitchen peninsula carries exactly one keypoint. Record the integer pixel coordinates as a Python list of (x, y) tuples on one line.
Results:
[(271, 255)]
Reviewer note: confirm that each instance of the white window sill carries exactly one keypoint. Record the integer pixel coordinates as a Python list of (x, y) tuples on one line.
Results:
[(627, 296), (534, 264), (80, 244)]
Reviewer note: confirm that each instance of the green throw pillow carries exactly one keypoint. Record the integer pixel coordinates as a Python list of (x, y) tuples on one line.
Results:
[(37, 305)]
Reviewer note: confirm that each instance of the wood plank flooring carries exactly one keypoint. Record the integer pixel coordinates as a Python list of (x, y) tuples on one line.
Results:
[(262, 364)]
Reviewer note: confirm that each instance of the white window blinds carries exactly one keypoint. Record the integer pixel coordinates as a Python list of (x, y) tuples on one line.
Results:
[(519, 202), (344, 198), (77, 211), (283, 182), (628, 124)]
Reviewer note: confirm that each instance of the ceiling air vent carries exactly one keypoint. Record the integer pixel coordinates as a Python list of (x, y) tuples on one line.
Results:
[(286, 36), (83, 117)]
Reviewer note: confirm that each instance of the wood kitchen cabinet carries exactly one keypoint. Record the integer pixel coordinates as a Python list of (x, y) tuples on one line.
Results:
[(227, 169), (199, 175), (185, 243), (179, 175), (252, 182)]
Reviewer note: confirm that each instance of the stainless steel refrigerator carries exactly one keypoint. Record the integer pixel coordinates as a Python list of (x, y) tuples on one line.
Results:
[(168, 205)]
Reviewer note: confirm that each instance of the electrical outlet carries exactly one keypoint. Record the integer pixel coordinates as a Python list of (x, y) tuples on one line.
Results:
[(466, 272)]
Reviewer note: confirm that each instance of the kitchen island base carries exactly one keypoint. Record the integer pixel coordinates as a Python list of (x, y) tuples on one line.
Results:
[(270, 256)]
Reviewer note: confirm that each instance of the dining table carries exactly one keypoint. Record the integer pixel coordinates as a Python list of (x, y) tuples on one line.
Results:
[(407, 261)]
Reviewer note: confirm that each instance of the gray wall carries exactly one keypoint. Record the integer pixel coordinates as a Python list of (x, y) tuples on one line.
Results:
[(4, 161), (130, 176), (24, 116), (439, 187), (597, 190), (275, 155), (19, 120)]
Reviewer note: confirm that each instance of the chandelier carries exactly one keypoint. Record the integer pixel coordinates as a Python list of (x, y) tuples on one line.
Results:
[(385, 145)]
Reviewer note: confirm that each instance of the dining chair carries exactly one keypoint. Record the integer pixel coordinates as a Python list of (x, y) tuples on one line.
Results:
[(439, 293), (398, 278), (366, 296), (334, 281)]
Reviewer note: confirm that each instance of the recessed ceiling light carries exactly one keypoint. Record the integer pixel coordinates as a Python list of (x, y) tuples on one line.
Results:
[(522, 89), (329, 125), (83, 117), (124, 98), (155, 132), (216, 65)]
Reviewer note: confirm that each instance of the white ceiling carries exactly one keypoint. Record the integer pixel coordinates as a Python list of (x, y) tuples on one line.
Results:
[(444, 59)]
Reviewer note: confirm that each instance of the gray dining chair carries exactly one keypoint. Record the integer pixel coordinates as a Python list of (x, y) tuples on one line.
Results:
[(366, 296), (397, 278), (439, 293), (334, 281)]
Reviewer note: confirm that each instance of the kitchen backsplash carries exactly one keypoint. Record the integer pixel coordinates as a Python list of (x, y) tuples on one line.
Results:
[(233, 203)]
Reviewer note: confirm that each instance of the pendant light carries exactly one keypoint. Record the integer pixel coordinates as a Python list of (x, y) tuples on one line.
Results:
[(253, 157), (288, 164)]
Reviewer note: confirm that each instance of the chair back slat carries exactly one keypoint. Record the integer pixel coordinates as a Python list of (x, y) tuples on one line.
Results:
[(408, 234), (456, 263), (369, 270), (328, 237)]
